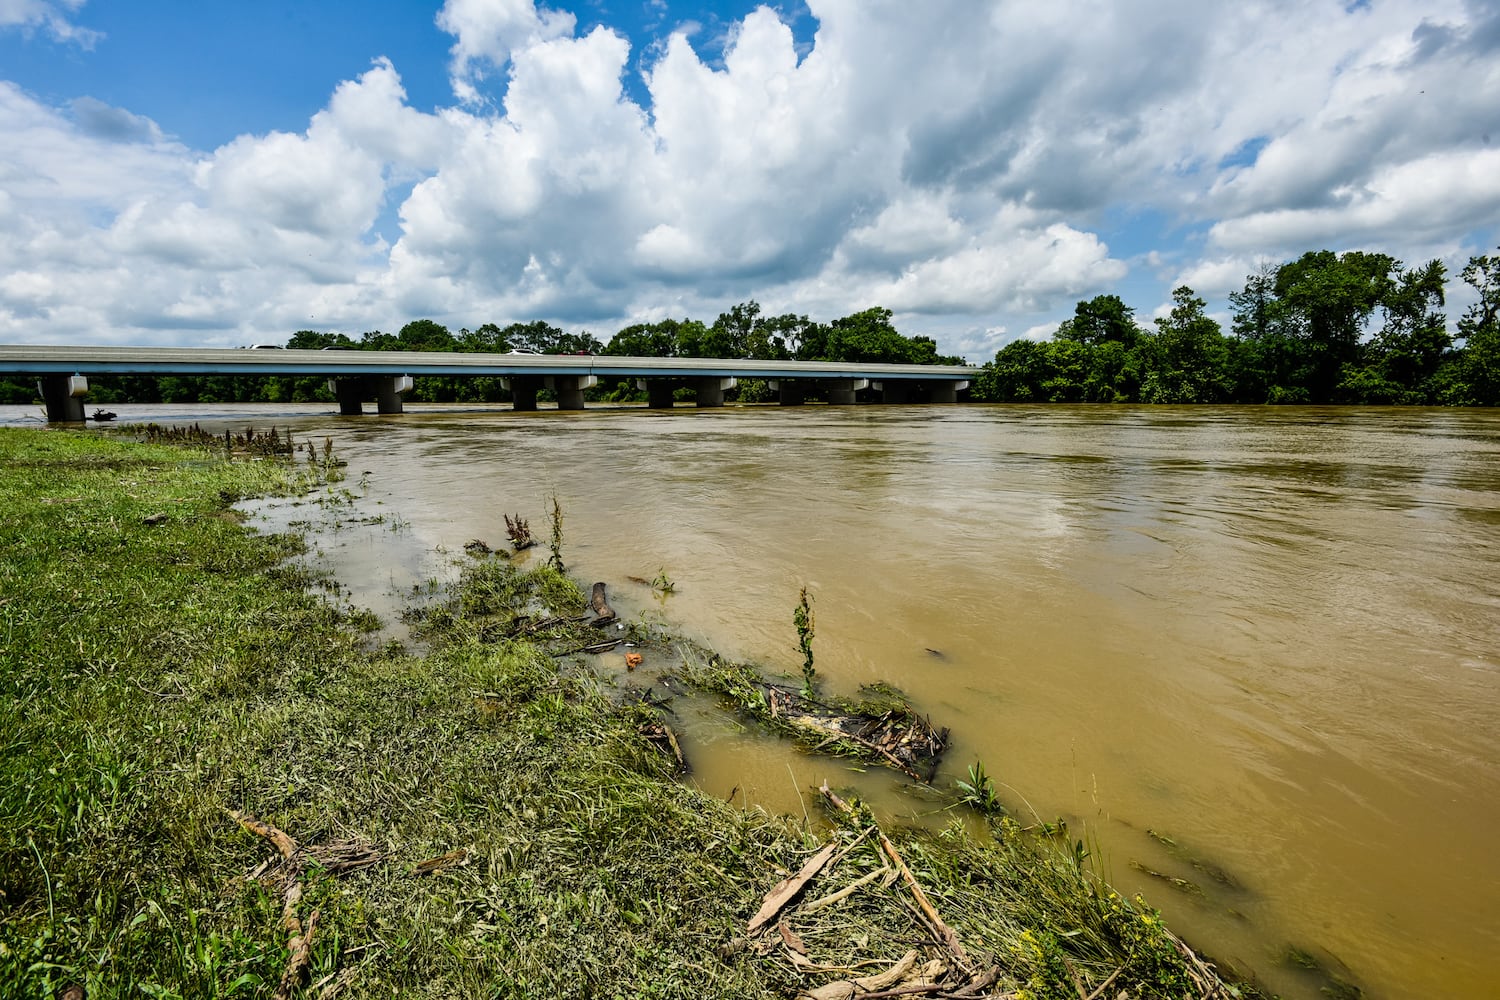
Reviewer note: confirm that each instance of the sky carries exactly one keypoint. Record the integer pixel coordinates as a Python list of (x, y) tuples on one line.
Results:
[(220, 174)]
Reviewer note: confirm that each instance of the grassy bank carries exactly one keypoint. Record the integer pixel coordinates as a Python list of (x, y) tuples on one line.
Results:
[(478, 821)]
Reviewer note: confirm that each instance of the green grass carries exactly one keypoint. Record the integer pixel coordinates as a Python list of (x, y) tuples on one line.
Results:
[(158, 671)]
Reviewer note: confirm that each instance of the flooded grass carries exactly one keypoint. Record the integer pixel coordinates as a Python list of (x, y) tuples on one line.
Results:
[(487, 819)]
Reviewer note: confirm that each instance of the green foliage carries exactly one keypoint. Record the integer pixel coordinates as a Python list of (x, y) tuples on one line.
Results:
[(1355, 327), (979, 791), (802, 618)]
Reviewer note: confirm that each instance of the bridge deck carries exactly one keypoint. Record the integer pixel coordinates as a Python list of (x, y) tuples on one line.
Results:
[(66, 360)]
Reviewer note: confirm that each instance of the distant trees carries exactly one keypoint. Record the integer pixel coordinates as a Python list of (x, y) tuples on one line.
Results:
[(1355, 327)]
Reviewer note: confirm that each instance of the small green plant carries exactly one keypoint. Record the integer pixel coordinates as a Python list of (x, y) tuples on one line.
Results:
[(663, 583), (979, 791), (802, 617), (557, 535)]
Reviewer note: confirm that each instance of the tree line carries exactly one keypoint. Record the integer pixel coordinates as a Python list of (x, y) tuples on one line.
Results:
[(742, 331), (1355, 327)]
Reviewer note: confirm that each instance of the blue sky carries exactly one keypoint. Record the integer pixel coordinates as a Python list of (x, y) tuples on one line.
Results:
[(222, 174)]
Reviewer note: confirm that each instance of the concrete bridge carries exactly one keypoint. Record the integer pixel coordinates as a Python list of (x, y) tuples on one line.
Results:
[(357, 377)]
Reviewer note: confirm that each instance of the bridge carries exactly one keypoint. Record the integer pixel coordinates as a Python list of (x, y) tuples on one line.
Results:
[(357, 377)]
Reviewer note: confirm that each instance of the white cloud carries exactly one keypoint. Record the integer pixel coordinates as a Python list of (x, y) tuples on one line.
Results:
[(489, 31), (52, 17)]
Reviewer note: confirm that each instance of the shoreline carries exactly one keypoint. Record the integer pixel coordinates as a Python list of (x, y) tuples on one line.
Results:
[(173, 668)]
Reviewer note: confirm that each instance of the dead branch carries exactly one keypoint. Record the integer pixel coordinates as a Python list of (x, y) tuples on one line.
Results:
[(301, 957), (449, 860), (944, 933), (285, 844), (834, 733), (785, 891), (845, 892)]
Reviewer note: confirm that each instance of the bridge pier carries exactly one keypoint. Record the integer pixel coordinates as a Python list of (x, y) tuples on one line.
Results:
[(944, 392), (710, 389), (789, 391), (350, 393), (841, 390), (570, 389), (388, 392), (522, 391), (63, 395), (659, 392), (894, 391)]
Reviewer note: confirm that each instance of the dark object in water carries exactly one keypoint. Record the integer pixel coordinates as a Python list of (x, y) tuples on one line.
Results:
[(103, 416)]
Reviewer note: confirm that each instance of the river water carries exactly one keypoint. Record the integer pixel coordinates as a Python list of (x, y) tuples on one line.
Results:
[(1268, 635)]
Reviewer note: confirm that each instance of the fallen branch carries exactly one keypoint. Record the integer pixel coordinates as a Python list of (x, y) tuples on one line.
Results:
[(846, 892), (285, 844), (945, 934), (905, 972), (301, 955), (785, 891), (834, 733)]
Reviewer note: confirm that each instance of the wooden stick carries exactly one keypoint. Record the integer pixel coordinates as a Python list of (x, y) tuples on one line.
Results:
[(301, 958), (285, 844), (786, 890), (945, 933)]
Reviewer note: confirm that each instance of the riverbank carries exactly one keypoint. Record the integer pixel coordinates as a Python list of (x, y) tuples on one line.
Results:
[(474, 821)]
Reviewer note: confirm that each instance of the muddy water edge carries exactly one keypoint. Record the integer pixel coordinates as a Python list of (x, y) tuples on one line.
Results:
[(1250, 656)]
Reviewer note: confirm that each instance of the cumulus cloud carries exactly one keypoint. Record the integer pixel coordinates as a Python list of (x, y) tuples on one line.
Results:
[(52, 17), (964, 165)]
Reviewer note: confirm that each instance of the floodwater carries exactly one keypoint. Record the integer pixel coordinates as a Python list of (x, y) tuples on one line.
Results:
[(1268, 635)]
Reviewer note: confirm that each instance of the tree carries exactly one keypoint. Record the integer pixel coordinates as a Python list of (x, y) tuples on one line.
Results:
[(1480, 328), (646, 340), (1402, 359), (315, 340), (425, 335), (1099, 320), (488, 339), (1187, 356), (1324, 301)]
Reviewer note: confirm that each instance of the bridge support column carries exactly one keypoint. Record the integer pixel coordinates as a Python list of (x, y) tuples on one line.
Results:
[(789, 391), (841, 390), (710, 389), (522, 391), (388, 391), (570, 389), (894, 390), (350, 392), (63, 395), (658, 392), (944, 392)]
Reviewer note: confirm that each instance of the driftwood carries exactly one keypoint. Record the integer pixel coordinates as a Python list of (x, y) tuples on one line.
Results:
[(906, 973), (601, 606), (300, 945), (661, 734), (450, 860), (785, 891), (943, 932)]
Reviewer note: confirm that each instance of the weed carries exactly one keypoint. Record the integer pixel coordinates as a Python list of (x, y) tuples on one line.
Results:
[(979, 791), (555, 561), (802, 618), (519, 532), (662, 583)]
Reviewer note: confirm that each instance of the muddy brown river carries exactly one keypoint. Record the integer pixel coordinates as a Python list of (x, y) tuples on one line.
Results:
[(1270, 636)]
